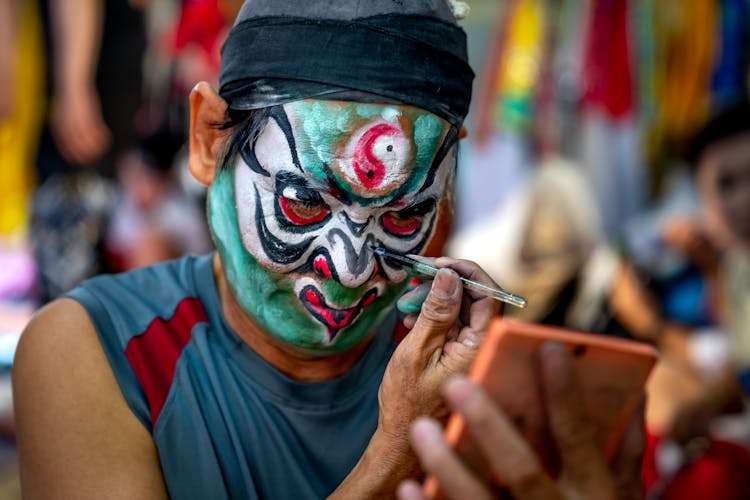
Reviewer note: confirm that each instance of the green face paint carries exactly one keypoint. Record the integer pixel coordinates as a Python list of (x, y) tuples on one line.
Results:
[(291, 226), (269, 297), (325, 131)]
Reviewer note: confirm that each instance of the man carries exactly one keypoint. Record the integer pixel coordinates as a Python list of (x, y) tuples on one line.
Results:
[(271, 369)]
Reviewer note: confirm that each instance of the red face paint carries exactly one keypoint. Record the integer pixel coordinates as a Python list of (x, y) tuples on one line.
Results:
[(401, 227), (302, 213), (320, 265), (369, 168)]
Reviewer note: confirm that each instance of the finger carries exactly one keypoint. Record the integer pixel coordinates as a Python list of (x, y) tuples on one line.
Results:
[(477, 320), (465, 268), (411, 302), (439, 313), (464, 316), (582, 460), (438, 459), (469, 270), (627, 464), (409, 490), (512, 463), (410, 320), (482, 309)]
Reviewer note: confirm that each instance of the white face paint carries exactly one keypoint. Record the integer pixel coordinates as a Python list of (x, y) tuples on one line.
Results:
[(323, 180)]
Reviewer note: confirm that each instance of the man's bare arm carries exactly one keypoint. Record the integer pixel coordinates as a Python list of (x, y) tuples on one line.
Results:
[(77, 437), (76, 119), (9, 22)]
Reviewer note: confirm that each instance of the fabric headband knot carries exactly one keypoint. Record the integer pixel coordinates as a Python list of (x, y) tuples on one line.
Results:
[(410, 59)]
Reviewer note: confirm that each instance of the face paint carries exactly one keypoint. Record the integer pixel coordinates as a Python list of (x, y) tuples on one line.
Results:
[(293, 215)]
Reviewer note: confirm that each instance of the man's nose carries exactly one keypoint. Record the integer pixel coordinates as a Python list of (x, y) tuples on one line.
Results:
[(351, 257), (357, 225)]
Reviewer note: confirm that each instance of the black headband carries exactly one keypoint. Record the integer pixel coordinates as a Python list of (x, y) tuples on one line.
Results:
[(410, 59)]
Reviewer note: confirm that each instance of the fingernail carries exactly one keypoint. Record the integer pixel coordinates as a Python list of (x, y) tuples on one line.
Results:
[(468, 342), (445, 283)]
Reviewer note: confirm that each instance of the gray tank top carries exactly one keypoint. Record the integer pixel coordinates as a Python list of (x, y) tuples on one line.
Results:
[(226, 423)]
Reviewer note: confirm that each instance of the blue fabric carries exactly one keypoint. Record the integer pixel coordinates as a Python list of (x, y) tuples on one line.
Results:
[(730, 74), (233, 426), (744, 378)]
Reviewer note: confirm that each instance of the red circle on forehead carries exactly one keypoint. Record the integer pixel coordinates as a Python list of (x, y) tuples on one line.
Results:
[(369, 168)]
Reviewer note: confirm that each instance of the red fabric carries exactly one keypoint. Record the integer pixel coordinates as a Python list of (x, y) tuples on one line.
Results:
[(201, 22), (154, 354), (608, 74), (400, 332), (721, 473)]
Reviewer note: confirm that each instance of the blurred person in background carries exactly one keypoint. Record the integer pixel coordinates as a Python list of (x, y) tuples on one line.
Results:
[(153, 218), (716, 243), (94, 88), (546, 244), (185, 39)]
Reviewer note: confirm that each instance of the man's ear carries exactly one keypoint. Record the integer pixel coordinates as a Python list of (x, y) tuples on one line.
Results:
[(463, 133), (207, 110)]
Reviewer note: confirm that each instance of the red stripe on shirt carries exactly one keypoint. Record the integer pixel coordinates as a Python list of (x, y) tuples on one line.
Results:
[(153, 354)]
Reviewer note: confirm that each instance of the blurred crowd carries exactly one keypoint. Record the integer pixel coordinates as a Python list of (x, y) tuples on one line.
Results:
[(606, 178), (608, 181), (94, 124)]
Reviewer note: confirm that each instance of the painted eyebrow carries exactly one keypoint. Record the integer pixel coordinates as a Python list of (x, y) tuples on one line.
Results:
[(291, 179), (402, 203), (278, 114), (451, 137)]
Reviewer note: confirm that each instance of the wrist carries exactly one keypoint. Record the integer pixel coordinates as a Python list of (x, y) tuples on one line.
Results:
[(74, 90), (387, 460)]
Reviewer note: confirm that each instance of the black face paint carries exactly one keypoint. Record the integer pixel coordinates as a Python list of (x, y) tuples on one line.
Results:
[(277, 250)]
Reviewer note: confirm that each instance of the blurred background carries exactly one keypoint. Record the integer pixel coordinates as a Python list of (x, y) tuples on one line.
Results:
[(574, 188)]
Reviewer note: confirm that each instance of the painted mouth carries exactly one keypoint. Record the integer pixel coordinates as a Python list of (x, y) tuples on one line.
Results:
[(333, 318)]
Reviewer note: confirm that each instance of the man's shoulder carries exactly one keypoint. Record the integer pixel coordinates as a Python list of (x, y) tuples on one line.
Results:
[(70, 411), (59, 336), (124, 306), (156, 289), (180, 270)]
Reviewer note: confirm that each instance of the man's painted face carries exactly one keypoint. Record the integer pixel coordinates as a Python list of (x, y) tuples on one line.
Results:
[(292, 217)]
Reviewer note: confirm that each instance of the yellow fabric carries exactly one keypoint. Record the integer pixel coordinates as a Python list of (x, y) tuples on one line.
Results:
[(19, 133), (685, 39), (521, 61)]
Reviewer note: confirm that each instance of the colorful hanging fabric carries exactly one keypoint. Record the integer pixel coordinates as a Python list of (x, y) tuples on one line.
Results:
[(19, 133), (685, 48), (607, 60), (729, 80), (520, 58)]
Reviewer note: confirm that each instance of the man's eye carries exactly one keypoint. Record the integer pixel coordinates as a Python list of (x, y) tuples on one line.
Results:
[(407, 221), (401, 224), (303, 212)]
